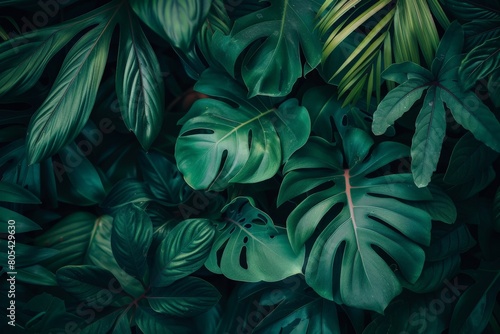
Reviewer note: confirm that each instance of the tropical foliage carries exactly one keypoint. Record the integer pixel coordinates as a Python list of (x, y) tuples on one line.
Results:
[(248, 166)]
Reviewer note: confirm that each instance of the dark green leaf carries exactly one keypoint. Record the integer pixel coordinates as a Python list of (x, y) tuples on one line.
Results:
[(187, 297), (36, 275), (125, 192), (139, 86), (430, 129), (343, 265), (480, 62), (26, 255), (451, 45), (151, 322), (131, 237), (182, 252), (67, 108), (274, 37), (16, 194), (22, 223), (177, 21)]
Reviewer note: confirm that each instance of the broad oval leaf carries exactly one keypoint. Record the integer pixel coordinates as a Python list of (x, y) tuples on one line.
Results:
[(177, 21), (251, 248), (248, 142), (125, 192), (150, 321), (139, 86), (66, 109), (187, 297), (182, 252), (274, 37), (131, 237), (362, 225)]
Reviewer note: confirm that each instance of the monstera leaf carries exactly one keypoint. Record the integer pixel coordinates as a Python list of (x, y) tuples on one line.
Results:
[(274, 37), (252, 248), (249, 142), (362, 226), (442, 88)]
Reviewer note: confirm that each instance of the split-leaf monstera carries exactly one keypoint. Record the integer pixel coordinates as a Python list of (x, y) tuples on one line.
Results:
[(358, 224), (221, 144)]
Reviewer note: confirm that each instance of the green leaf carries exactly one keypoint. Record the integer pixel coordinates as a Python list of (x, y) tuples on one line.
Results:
[(22, 223), (151, 322), (164, 179), (451, 45), (14, 193), (177, 21), (274, 38), (360, 225), (467, 10), (131, 237), (182, 252), (103, 324), (139, 86), (496, 211), (185, 298), (428, 138), (468, 159), (441, 207), (471, 113), (100, 254), (36, 275), (474, 308), (125, 192), (480, 62), (248, 142), (70, 236), (479, 31), (66, 109), (88, 283), (403, 72), (23, 58), (396, 103), (84, 176), (250, 248)]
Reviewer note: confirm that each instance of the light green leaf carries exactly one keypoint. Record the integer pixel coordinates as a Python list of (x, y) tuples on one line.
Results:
[(14, 193), (221, 144), (66, 109), (187, 297), (139, 86), (355, 219), (131, 237), (480, 62), (274, 37), (428, 138), (250, 248), (177, 21), (182, 252)]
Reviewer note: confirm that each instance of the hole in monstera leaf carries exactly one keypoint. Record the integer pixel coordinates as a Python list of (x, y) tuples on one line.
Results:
[(197, 132), (386, 257), (345, 120), (245, 240), (250, 139), (247, 225), (382, 222), (243, 258), (220, 251)]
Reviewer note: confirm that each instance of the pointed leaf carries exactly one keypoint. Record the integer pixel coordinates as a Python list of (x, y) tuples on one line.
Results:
[(188, 297), (182, 252), (480, 62), (66, 109), (139, 87), (16, 194), (131, 237), (451, 45)]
